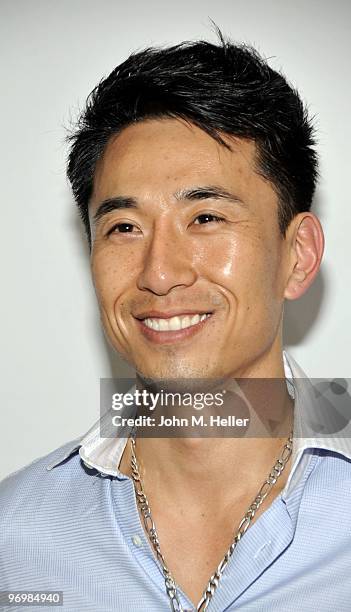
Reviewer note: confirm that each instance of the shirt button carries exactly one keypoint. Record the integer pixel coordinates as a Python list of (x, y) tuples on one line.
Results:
[(137, 541)]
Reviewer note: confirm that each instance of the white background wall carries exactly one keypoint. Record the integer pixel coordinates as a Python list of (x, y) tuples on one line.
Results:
[(52, 54)]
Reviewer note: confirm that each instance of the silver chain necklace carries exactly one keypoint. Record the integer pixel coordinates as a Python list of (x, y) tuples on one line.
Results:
[(244, 524)]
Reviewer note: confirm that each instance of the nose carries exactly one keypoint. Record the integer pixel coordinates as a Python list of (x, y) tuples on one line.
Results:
[(168, 262)]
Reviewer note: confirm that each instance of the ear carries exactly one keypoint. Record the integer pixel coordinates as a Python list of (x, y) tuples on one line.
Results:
[(307, 246)]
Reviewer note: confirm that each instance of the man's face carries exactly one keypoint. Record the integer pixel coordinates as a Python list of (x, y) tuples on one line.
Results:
[(195, 235)]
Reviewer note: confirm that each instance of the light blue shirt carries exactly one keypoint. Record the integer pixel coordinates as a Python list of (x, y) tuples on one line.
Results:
[(69, 522)]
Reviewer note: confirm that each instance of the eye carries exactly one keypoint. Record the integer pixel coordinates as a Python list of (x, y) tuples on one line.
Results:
[(207, 218), (122, 228)]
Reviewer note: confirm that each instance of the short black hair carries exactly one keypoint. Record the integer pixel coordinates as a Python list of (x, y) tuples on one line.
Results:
[(221, 88)]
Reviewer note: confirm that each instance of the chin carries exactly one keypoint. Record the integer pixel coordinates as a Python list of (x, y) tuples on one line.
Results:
[(185, 373)]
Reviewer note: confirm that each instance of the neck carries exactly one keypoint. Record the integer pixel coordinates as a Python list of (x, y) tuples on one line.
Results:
[(211, 471)]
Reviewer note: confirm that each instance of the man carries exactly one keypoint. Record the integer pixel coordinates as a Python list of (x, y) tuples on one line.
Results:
[(194, 169)]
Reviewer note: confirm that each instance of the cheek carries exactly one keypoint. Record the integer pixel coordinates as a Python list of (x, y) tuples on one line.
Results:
[(111, 275), (238, 264), (217, 257), (246, 269)]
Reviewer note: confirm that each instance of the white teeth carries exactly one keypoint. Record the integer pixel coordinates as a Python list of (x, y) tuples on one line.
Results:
[(162, 325), (186, 322), (174, 323)]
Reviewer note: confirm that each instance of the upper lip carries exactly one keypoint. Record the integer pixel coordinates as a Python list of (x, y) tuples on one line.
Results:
[(158, 314)]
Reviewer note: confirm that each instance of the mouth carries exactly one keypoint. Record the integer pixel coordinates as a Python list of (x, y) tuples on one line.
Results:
[(169, 327)]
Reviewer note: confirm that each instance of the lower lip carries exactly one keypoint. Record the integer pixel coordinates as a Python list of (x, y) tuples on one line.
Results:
[(168, 337)]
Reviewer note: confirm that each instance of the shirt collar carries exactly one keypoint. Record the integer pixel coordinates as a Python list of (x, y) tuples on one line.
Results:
[(104, 453)]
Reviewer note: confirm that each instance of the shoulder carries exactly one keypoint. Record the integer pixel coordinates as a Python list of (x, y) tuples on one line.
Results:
[(31, 481), (329, 483), (333, 462)]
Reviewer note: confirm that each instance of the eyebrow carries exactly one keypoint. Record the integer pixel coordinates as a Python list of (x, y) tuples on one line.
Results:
[(191, 194)]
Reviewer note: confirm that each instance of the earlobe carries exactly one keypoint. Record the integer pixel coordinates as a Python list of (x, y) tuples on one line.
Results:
[(307, 251)]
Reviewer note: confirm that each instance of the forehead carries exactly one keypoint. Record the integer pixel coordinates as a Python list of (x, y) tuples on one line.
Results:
[(166, 154)]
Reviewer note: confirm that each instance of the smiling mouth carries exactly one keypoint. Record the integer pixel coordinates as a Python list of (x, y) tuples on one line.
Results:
[(169, 327), (176, 323)]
